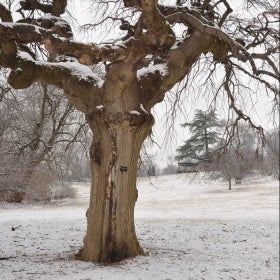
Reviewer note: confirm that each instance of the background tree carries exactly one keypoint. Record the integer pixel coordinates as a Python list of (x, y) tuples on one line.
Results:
[(150, 56), (146, 165), (169, 169), (204, 129), (271, 163), (231, 164), (38, 128), (240, 157)]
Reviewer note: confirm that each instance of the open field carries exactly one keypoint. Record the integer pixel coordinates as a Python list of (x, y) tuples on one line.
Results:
[(190, 227)]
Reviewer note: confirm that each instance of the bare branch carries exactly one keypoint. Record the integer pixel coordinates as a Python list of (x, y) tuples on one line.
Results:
[(240, 114), (227, 12), (5, 14)]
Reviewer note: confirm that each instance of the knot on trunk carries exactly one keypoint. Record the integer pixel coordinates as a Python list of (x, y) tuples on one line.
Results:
[(95, 152)]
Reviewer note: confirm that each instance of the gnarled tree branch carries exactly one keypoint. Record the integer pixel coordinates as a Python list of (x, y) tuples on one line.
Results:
[(57, 8)]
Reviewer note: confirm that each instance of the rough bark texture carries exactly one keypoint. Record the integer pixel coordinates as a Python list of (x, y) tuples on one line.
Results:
[(116, 145)]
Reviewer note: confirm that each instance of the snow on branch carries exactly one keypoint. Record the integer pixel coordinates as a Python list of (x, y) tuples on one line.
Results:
[(189, 20), (152, 68), (86, 53), (56, 8)]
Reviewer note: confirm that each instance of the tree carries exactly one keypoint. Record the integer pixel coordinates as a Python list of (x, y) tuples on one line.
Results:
[(232, 164), (146, 164), (272, 160), (204, 137), (169, 169), (148, 59), (238, 158), (36, 125)]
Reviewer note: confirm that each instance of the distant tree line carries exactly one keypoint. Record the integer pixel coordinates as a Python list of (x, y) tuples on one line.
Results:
[(233, 156), (44, 143)]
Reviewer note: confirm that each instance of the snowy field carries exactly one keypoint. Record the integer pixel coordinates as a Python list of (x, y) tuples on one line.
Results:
[(190, 227)]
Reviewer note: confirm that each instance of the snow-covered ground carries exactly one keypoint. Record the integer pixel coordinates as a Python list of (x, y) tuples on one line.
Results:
[(190, 227)]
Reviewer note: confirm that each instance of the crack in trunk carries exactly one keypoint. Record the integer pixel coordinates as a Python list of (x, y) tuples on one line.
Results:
[(111, 197)]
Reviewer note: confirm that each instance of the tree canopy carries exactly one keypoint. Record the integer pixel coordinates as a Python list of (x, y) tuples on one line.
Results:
[(158, 54)]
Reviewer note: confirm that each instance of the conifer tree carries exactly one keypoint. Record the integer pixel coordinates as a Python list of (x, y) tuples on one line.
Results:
[(204, 136)]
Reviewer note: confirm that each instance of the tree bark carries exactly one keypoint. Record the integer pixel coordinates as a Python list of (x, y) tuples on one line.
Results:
[(117, 141)]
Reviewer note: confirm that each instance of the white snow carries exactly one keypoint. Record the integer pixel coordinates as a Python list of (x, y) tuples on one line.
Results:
[(82, 72), (18, 70), (144, 31), (100, 82), (134, 112), (25, 56), (143, 109), (191, 228), (58, 21), (152, 68), (78, 70), (99, 107)]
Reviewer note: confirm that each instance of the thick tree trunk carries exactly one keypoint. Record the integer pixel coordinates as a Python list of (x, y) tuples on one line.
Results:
[(114, 156)]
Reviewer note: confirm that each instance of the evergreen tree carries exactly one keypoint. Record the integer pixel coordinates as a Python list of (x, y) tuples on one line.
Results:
[(204, 135)]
